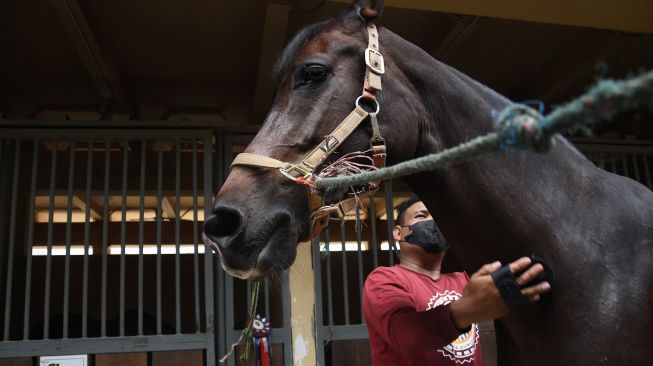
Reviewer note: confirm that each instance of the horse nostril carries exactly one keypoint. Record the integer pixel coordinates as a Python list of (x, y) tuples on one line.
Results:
[(225, 222)]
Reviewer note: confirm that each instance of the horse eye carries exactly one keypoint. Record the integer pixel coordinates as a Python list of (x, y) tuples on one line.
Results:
[(311, 75), (315, 73)]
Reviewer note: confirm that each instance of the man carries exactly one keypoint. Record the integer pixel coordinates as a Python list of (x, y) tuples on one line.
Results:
[(417, 315)]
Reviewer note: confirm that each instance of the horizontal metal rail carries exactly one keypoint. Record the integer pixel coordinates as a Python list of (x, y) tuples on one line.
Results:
[(103, 345)]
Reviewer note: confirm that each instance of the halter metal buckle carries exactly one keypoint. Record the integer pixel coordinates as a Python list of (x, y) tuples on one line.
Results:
[(374, 60), (295, 171)]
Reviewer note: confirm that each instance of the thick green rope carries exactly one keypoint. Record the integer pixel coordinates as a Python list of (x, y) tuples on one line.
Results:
[(522, 127)]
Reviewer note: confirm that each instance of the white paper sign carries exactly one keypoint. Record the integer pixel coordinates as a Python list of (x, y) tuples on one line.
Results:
[(73, 360)]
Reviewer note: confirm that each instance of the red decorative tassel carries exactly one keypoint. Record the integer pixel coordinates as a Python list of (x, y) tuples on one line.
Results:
[(261, 336)]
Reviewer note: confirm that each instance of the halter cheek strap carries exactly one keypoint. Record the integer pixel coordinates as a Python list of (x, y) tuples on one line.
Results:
[(302, 172)]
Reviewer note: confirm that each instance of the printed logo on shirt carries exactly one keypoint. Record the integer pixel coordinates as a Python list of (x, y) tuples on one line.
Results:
[(462, 349)]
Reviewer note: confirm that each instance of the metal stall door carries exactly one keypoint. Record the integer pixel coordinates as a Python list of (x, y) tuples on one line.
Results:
[(102, 254), (274, 297), (343, 255)]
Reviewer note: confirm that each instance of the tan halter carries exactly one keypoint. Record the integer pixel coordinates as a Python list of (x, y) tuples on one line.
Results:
[(302, 172)]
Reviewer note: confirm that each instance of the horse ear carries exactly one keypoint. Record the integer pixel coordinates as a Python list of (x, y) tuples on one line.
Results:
[(369, 9)]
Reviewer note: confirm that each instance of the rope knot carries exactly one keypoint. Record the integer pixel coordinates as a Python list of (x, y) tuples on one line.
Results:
[(307, 182), (522, 126)]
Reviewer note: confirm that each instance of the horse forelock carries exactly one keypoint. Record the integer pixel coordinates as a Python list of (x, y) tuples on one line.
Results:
[(293, 48), (306, 35)]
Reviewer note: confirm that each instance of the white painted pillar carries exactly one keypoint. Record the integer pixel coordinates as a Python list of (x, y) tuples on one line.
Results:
[(302, 308)]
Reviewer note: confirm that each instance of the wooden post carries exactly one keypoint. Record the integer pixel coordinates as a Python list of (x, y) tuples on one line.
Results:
[(302, 308)]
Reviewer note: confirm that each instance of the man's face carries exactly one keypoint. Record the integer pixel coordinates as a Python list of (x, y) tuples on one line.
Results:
[(415, 213), (418, 233)]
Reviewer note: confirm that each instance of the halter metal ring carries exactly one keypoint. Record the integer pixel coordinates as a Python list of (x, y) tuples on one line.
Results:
[(378, 107)]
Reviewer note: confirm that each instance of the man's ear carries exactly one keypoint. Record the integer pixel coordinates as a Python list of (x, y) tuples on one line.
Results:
[(396, 233), (369, 9)]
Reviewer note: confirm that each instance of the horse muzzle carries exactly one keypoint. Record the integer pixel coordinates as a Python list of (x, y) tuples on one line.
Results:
[(251, 250)]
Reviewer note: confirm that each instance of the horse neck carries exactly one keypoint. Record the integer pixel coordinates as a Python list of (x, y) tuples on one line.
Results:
[(488, 205)]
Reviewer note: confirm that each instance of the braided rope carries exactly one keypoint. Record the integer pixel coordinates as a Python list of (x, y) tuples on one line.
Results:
[(523, 127)]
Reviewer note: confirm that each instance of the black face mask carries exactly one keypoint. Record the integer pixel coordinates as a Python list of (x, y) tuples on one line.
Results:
[(427, 235)]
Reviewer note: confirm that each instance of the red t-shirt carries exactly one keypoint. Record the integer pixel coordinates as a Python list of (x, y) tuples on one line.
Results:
[(407, 315)]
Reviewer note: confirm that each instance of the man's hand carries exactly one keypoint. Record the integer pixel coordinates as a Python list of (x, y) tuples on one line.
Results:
[(481, 299)]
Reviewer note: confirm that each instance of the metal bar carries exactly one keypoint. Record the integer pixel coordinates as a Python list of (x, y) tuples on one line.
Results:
[(285, 299), (105, 237), (4, 187), (327, 243), (123, 234), (248, 290), (373, 243), (105, 345), (196, 275), (317, 285), (359, 254), (266, 297), (389, 213), (222, 152), (224, 155), (12, 240), (613, 163), (113, 133), (635, 167), (208, 257), (131, 191), (141, 230), (345, 284), (278, 335), (229, 325), (127, 125), (647, 173), (601, 160), (30, 241), (625, 165), (219, 299), (48, 261), (344, 332), (177, 237), (69, 219), (159, 194), (87, 236)]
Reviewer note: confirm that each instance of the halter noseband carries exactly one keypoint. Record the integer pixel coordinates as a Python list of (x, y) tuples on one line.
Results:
[(301, 173)]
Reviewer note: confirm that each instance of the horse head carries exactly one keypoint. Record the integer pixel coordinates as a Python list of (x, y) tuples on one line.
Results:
[(329, 73)]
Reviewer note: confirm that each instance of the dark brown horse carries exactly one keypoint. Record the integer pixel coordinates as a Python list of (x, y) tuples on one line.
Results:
[(595, 228)]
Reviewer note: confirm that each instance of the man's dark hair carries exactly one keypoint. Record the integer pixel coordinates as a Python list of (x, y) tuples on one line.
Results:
[(402, 207)]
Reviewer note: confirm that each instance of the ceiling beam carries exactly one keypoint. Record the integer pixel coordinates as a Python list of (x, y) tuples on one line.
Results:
[(101, 68), (272, 42), (167, 208), (94, 209), (624, 15)]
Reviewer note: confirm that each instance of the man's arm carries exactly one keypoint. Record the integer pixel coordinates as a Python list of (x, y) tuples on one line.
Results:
[(481, 299)]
